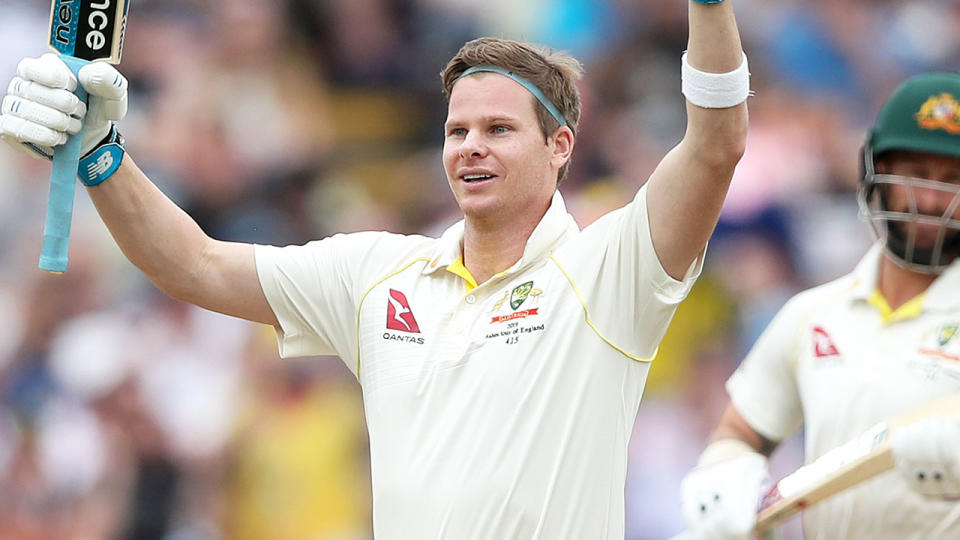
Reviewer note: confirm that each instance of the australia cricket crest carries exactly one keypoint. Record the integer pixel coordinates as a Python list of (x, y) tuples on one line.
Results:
[(941, 343), (507, 308), (519, 294), (946, 333), (940, 112)]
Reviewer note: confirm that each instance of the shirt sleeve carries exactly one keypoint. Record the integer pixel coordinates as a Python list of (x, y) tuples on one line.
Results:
[(311, 291), (628, 294), (764, 389)]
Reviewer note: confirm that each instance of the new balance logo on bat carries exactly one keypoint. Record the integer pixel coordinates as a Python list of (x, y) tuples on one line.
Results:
[(89, 29), (97, 20), (399, 315)]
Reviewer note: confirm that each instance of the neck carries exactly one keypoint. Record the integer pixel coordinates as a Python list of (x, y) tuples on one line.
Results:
[(899, 285), (492, 246)]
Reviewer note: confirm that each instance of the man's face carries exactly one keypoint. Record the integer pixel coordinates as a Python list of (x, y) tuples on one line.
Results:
[(929, 201), (494, 153)]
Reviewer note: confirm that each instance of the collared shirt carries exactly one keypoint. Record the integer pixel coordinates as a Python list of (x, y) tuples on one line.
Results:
[(838, 360), (496, 411)]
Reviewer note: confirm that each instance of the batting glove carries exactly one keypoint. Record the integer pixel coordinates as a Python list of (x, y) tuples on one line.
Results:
[(40, 110), (720, 500), (927, 455)]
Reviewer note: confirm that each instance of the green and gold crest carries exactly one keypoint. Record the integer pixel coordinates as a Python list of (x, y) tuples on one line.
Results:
[(519, 294), (947, 333)]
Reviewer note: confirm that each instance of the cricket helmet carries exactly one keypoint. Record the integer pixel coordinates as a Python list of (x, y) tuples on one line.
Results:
[(922, 115)]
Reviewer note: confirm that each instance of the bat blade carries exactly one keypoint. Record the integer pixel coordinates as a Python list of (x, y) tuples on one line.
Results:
[(82, 31), (90, 30), (859, 460)]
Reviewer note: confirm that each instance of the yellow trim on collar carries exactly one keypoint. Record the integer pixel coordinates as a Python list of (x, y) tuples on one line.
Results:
[(913, 308), (457, 268), (586, 317), (364, 297)]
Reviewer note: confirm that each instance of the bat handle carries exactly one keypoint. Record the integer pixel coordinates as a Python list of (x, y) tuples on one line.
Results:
[(63, 182)]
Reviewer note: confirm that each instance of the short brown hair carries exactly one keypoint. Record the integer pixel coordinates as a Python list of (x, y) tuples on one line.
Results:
[(554, 73)]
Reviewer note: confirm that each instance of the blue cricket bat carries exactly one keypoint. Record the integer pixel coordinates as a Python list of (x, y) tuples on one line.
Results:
[(82, 31)]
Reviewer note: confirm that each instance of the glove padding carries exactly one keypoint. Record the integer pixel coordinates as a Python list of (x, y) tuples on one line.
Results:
[(720, 500), (40, 110), (927, 455)]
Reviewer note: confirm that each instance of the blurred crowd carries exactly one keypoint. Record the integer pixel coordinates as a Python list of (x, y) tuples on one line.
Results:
[(126, 415)]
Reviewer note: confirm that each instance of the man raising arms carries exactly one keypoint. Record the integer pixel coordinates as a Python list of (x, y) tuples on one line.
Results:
[(503, 363)]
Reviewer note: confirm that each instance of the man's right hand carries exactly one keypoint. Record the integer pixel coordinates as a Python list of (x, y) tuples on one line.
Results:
[(720, 499), (40, 110)]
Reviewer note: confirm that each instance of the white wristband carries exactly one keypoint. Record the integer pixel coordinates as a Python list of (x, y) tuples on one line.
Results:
[(715, 90), (722, 450)]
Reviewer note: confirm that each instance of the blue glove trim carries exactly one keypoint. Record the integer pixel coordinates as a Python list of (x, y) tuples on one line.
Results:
[(104, 160)]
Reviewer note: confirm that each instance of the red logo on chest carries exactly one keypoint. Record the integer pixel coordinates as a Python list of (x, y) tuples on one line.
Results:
[(822, 344), (399, 315)]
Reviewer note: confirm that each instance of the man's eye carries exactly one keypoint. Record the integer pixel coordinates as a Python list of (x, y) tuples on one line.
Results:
[(499, 130), (458, 132)]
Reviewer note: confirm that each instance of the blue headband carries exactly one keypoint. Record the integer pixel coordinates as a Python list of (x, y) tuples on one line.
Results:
[(532, 88)]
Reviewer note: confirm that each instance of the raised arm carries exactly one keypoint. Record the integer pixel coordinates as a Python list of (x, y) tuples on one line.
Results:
[(156, 235), (169, 247), (687, 189)]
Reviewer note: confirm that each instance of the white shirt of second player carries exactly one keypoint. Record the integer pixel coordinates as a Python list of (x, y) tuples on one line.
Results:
[(837, 361)]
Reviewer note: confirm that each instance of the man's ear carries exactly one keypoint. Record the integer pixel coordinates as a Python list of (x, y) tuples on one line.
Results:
[(562, 143)]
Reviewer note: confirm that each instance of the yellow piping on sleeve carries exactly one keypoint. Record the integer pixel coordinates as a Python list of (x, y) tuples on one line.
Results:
[(586, 318), (364, 297)]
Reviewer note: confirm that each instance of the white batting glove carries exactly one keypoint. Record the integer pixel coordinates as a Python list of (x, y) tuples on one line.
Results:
[(40, 110), (927, 455), (720, 500)]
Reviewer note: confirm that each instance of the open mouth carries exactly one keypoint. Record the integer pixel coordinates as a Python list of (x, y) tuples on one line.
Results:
[(926, 234), (475, 178)]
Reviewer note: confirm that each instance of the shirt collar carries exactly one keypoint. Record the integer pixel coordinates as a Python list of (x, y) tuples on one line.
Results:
[(943, 293), (555, 225), (865, 273)]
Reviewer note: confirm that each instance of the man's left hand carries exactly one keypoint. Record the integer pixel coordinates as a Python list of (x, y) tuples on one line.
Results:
[(927, 455)]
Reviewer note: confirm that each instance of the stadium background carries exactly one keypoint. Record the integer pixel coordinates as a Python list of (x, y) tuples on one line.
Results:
[(127, 415)]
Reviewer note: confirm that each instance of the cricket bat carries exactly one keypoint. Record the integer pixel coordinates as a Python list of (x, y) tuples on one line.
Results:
[(82, 31), (859, 460)]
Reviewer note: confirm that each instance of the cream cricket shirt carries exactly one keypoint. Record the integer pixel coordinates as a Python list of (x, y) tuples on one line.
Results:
[(837, 360), (495, 412)]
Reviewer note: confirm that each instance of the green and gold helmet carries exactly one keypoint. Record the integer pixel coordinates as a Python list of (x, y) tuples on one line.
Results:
[(922, 115)]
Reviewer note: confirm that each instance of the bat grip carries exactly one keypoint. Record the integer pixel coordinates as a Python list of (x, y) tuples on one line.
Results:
[(63, 182)]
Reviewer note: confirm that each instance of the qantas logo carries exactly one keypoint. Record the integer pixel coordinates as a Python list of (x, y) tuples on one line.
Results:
[(822, 344), (399, 315)]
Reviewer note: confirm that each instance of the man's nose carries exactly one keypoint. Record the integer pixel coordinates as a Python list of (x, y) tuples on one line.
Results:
[(931, 201), (473, 145)]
